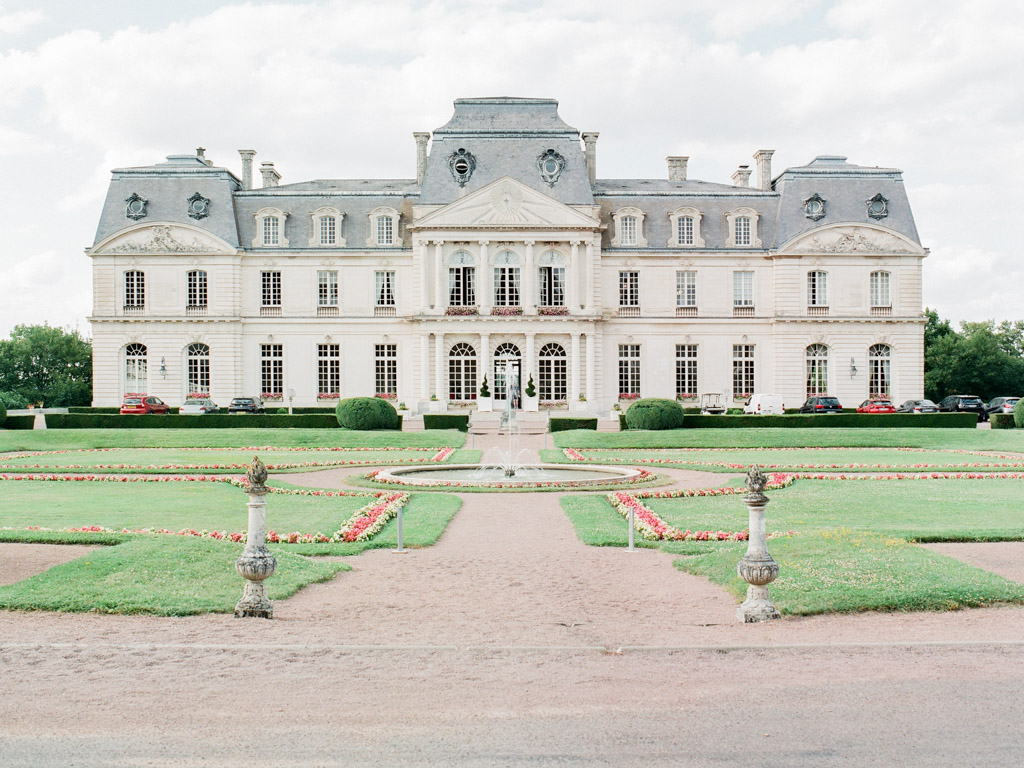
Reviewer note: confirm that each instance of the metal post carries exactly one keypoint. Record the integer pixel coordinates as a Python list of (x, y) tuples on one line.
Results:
[(401, 549), (632, 531)]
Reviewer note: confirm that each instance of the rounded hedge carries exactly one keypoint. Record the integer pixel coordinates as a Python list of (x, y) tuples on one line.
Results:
[(654, 413), (3, 413), (366, 413), (1018, 413)]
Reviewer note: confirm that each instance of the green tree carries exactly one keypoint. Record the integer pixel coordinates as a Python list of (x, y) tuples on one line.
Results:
[(48, 365), (971, 362)]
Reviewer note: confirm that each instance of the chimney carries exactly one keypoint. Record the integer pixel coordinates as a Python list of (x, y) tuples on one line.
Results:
[(201, 154), (270, 175), (590, 151), (763, 158), (742, 176), (247, 156), (677, 167), (421, 155)]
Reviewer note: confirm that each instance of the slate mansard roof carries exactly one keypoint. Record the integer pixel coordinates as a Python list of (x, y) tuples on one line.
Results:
[(506, 138)]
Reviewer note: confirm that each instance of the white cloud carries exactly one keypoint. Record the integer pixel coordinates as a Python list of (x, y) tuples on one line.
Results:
[(14, 23)]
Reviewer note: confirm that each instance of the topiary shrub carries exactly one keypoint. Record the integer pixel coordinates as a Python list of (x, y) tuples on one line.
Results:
[(366, 413), (1002, 421), (654, 413), (531, 390), (1018, 413), (484, 391)]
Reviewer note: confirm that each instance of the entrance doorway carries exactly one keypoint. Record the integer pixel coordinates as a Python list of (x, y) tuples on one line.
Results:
[(507, 359)]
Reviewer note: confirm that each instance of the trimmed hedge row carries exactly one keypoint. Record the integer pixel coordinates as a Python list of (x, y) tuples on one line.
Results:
[(211, 421), (1018, 413), (563, 424), (1003, 420), (871, 420), (19, 422), (459, 421)]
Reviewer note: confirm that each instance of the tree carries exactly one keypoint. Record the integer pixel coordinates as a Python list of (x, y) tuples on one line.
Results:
[(48, 365), (979, 360)]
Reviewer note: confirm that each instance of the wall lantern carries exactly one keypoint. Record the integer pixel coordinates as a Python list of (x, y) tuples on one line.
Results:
[(853, 368), (163, 368)]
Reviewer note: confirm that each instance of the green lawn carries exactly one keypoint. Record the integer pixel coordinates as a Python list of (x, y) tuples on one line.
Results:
[(979, 439)]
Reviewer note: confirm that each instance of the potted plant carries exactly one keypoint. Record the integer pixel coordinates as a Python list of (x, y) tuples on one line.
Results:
[(530, 400), (579, 405), (483, 402), (436, 406)]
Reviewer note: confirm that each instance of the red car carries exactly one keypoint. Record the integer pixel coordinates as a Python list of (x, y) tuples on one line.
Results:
[(876, 406), (139, 403)]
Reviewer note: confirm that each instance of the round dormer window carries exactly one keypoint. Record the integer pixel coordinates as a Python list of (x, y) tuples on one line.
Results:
[(551, 165), (198, 206), (878, 206), (136, 206), (815, 206), (461, 164)]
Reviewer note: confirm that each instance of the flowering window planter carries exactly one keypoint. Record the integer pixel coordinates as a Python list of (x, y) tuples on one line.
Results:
[(506, 311), (461, 311), (328, 396), (271, 396), (386, 395), (198, 395), (686, 398), (628, 397), (552, 311), (551, 405), (462, 403)]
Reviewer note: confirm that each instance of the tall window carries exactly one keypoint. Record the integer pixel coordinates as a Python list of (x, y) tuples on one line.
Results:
[(627, 230), (552, 373), (384, 290), (629, 289), (742, 370), (629, 369), (271, 283), (462, 373), (135, 377), (505, 355), (686, 289), (386, 368), (742, 230), (684, 230), (743, 289), (271, 230), (328, 230), (385, 230), (817, 370), (686, 370), (328, 368), (196, 283), (461, 280), (272, 369), (134, 289), (880, 289), (551, 279), (198, 365), (817, 289), (327, 288), (879, 372), (506, 279)]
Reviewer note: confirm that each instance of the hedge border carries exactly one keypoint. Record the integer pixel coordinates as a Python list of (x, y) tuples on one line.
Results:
[(211, 421), (1002, 421), (567, 423), (866, 420), (20, 422), (459, 421)]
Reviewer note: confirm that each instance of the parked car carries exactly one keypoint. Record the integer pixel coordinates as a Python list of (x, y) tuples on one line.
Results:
[(712, 403), (764, 404), (1001, 405), (198, 406), (876, 405), (918, 406), (246, 405), (964, 404), (821, 404), (140, 403)]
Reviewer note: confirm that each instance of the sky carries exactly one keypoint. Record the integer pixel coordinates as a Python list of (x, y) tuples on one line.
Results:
[(334, 89)]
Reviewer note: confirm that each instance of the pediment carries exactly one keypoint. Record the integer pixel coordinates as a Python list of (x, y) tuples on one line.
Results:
[(865, 239), (160, 238), (506, 203)]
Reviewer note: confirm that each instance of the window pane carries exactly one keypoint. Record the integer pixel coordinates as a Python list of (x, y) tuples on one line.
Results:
[(271, 289), (686, 289), (685, 230), (328, 230), (386, 368), (686, 370), (743, 289), (742, 230), (743, 370), (629, 369), (272, 369)]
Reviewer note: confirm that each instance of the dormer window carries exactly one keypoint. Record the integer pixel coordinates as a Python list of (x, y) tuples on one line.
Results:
[(685, 228), (629, 228), (383, 228), (326, 228), (270, 231), (743, 228)]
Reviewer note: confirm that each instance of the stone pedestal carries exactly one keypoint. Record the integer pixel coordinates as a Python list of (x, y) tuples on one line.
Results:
[(757, 567), (256, 563)]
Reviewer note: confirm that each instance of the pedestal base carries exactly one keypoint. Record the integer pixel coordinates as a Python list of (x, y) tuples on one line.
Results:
[(757, 607), (254, 602)]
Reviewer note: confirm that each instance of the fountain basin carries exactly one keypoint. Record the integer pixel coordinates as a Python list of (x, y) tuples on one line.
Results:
[(531, 476)]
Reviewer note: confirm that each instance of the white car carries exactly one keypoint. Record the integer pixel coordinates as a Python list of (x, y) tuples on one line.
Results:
[(199, 405), (762, 404)]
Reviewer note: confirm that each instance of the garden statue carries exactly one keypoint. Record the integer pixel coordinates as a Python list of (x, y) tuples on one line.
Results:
[(256, 563), (757, 567)]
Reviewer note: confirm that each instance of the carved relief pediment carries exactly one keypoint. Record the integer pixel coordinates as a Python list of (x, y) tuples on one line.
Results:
[(852, 239), (506, 203), (162, 238)]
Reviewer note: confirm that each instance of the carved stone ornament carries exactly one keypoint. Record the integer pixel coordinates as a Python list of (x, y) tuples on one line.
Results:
[(159, 240), (135, 207), (878, 206), (551, 164), (756, 482), (461, 164), (198, 206), (757, 567), (256, 477), (852, 240), (507, 201), (814, 207)]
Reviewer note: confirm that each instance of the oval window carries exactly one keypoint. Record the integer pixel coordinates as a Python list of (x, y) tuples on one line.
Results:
[(135, 206), (461, 167)]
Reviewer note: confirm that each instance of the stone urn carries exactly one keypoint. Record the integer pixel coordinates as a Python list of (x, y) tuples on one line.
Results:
[(256, 564)]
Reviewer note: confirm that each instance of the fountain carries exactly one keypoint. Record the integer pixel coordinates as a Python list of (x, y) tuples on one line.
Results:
[(512, 458)]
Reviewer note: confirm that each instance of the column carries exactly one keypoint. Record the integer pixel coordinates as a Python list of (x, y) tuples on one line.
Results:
[(591, 368), (572, 278), (483, 358), (574, 372), (439, 388), (441, 278), (485, 289), (587, 275), (529, 297), (424, 286), (424, 365)]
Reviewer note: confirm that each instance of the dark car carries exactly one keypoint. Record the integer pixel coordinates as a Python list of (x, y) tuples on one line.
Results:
[(139, 403), (918, 406), (876, 405), (821, 404), (964, 404), (1001, 405), (246, 405)]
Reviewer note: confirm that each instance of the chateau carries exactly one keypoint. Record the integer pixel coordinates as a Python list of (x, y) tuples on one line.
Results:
[(507, 250)]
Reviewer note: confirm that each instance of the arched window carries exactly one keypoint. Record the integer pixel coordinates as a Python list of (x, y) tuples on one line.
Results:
[(506, 356), (552, 373), (879, 371), (817, 370), (135, 376), (551, 279), (198, 366), (506, 279), (462, 373), (461, 280)]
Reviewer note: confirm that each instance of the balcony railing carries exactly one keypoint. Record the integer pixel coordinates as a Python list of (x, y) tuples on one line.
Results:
[(742, 311), (817, 311), (270, 311), (385, 311), (881, 311), (686, 311), (194, 310), (134, 309), (629, 311), (328, 311)]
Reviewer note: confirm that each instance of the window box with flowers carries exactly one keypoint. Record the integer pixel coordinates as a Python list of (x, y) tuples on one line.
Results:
[(551, 405), (271, 396), (328, 396), (628, 397), (386, 395), (462, 403), (198, 396), (552, 311), (685, 397), (741, 396), (506, 311), (461, 311)]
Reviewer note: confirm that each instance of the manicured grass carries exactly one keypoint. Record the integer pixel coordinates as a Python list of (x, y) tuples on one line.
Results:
[(41, 440), (843, 570), (983, 439), (598, 525), (160, 575)]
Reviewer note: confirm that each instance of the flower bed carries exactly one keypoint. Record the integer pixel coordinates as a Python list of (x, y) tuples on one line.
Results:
[(380, 476)]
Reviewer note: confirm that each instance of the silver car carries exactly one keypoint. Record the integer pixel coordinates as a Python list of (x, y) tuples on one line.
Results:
[(199, 405)]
